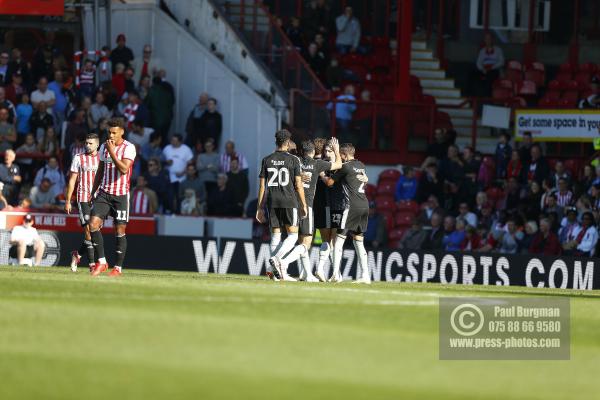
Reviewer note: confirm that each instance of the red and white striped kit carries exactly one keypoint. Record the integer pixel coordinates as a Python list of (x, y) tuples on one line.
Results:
[(85, 166), (113, 181)]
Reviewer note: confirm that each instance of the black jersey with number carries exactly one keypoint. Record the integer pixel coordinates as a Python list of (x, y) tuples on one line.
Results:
[(353, 189), (313, 167), (280, 170), (337, 198)]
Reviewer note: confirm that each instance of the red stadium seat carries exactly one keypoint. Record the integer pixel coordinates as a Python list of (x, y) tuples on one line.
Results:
[(390, 175), (501, 93), (567, 103), (567, 67), (408, 206), (552, 94), (370, 190), (587, 67), (571, 95), (526, 88), (564, 76), (514, 64), (583, 78), (554, 85), (386, 188), (514, 75), (517, 101), (404, 219), (535, 76), (546, 102), (388, 217)]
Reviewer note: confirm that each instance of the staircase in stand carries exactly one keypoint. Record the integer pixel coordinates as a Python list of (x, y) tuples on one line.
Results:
[(448, 97)]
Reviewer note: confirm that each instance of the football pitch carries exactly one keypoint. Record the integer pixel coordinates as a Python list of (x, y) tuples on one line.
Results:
[(149, 335)]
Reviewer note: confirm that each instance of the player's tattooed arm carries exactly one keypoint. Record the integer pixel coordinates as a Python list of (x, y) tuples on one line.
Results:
[(98, 178), (69, 191), (260, 212), (335, 145)]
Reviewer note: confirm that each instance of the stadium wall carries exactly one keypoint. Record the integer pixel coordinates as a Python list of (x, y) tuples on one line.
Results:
[(234, 256)]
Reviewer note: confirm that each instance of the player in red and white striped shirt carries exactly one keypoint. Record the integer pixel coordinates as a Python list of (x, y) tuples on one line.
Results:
[(111, 193), (83, 171)]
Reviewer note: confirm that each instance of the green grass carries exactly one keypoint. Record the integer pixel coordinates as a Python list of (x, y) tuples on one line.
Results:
[(150, 335)]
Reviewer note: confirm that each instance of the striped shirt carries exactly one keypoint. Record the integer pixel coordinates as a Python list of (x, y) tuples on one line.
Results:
[(77, 149), (113, 181), (129, 114), (226, 161), (85, 166), (564, 199), (140, 202), (87, 77)]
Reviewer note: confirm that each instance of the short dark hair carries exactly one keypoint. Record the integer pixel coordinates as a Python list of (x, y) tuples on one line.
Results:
[(282, 137), (92, 136), (319, 145), (347, 148), (308, 147), (178, 136), (116, 122)]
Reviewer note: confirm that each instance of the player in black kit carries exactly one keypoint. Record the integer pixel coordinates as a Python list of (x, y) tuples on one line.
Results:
[(311, 169), (355, 217), (280, 187)]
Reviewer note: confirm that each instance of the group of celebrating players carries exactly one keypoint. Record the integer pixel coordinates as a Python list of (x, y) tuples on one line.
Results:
[(325, 190), (102, 177)]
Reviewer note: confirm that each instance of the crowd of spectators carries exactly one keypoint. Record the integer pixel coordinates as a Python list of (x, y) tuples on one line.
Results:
[(45, 117)]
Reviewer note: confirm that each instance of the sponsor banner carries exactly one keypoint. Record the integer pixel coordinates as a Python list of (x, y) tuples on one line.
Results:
[(233, 256), (558, 125), (32, 7), (70, 222)]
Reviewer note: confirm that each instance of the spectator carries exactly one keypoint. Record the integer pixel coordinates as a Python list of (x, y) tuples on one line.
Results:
[(317, 18), (316, 60), (76, 129), (162, 74), (514, 168), (192, 181), (135, 109), (569, 225), (587, 179), (345, 105), (375, 235), (152, 149), (143, 199), (176, 156), (40, 120), (129, 82), (118, 79), (210, 125), (489, 63), (439, 148), (207, 165), (414, 237), (466, 215), (406, 188), (334, 74), (564, 197), (52, 172), (44, 59), (428, 208), (15, 88), (348, 32), (454, 234), (190, 204), (220, 201), (513, 194), (8, 134), (98, 110), (10, 176), (322, 47), (158, 181), (105, 75), (294, 33), (531, 229), (472, 240), (230, 154), (49, 144), (86, 106), (525, 148), (586, 238), (533, 201), (471, 167), (19, 66), (139, 135), (435, 237), (511, 238), (5, 103), (503, 155), (193, 126), (560, 173), (4, 78), (147, 66), (42, 196), (160, 102), (24, 111), (364, 119), (43, 94), (537, 169), (121, 54), (545, 242), (87, 79), (144, 87), (238, 184), (27, 242), (431, 183), (26, 164), (486, 219)]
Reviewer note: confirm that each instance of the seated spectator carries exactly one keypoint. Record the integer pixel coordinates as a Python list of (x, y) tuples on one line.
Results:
[(294, 33), (9, 105), (316, 60), (564, 197), (192, 181), (238, 184), (514, 168), (135, 109), (560, 172), (545, 242), (431, 183), (42, 195), (595, 197), (76, 129), (40, 120), (586, 238), (553, 207), (27, 164), (52, 172), (569, 225), (503, 155), (98, 110), (406, 188), (345, 106), (481, 200), (471, 166), (465, 214), (158, 181), (176, 157), (43, 95), (152, 149), (8, 134), (139, 135), (414, 237), (49, 145), (537, 169), (375, 236), (230, 154), (533, 200), (18, 65), (220, 201), (24, 111), (472, 240), (511, 238), (10, 177), (211, 124), (348, 32), (435, 237), (143, 199), (489, 64), (3, 202), (190, 204), (454, 234), (587, 178), (15, 88), (531, 229), (486, 218), (428, 208), (26, 242), (513, 194)]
